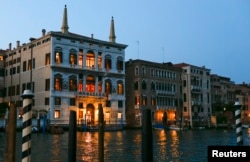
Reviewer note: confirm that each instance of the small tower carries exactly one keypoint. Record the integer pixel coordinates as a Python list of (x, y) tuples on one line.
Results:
[(112, 31), (65, 27)]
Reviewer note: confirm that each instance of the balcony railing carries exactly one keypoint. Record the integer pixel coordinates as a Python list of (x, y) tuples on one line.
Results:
[(87, 94)]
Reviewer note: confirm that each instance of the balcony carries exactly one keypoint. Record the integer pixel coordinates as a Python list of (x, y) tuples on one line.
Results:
[(90, 94), (196, 88), (161, 92)]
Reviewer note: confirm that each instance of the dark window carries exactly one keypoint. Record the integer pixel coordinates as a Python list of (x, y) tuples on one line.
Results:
[(119, 63), (136, 85), (47, 84), (144, 85), (57, 101), (120, 103), (24, 66), (108, 103), (47, 101), (108, 62), (72, 101), (80, 105)]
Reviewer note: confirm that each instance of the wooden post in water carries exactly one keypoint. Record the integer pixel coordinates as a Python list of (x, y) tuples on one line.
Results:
[(11, 149), (101, 133), (72, 137), (238, 125), (147, 136)]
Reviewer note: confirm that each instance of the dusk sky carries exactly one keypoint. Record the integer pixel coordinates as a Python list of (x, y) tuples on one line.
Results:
[(211, 33)]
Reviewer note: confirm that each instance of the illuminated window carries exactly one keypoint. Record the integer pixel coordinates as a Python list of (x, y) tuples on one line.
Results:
[(72, 83), (47, 59), (29, 64), (108, 62), (80, 57), (119, 87), (58, 55), (137, 100), (152, 101), (58, 82), (80, 86), (108, 87), (99, 87), (119, 63), (57, 114), (144, 100), (99, 60), (90, 84), (90, 59)]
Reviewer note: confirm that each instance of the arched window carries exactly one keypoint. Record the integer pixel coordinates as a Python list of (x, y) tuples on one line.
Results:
[(144, 85), (58, 82), (136, 85), (119, 63), (90, 83), (108, 62), (152, 86), (90, 59), (120, 87), (72, 57), (72, 83), (108, 86), (58, 55)]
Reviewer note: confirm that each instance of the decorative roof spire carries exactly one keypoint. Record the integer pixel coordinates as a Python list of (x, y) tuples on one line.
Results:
[(112, 31), (65, 27)]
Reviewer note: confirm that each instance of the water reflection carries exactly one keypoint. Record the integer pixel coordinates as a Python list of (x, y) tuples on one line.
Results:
[(125, 145)]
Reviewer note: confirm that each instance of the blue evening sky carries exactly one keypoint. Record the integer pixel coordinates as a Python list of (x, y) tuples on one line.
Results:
[(213, 33)]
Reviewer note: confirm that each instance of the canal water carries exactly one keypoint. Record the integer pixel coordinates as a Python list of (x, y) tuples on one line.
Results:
[(169, 145)]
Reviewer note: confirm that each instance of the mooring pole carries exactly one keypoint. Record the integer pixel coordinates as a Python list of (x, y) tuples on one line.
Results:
[(147, 136), (101, 133), (72, 137), (26, 132), (12, 133), (238, 125)]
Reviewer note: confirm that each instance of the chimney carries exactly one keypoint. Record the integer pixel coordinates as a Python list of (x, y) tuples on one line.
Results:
[(10, 46), (43, 32), (92, 36), (17, 44)]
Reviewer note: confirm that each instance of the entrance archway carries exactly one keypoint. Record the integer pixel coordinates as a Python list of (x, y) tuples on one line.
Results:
[(90, 114)]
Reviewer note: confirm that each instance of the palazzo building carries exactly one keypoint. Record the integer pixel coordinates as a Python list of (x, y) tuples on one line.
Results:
[(68, 71), (154, 86), (197, 107)]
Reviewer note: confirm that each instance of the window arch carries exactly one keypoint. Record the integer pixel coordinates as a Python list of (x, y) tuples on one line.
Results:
[(119, 63), (144, 85), (120, 88), (108, 62), (58, 55), (152, 86), (72, 83), (90, 83), (108, 86), (90, 59), (58, 82), (72, 57)]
